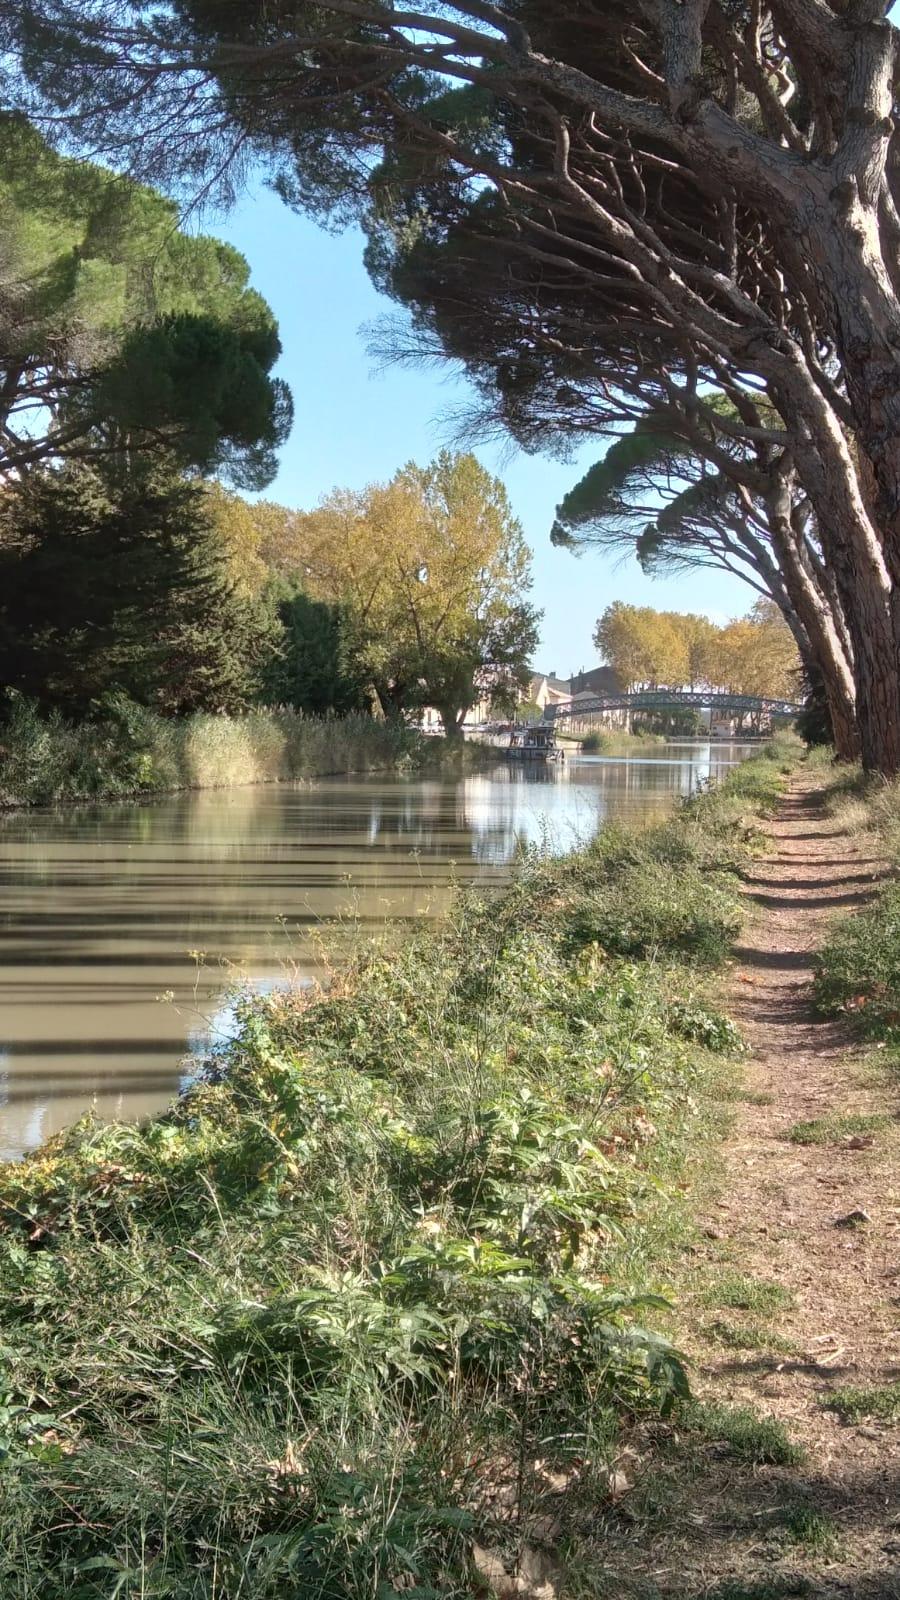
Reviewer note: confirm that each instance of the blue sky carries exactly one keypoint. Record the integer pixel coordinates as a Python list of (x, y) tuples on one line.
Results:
[(355, 425)]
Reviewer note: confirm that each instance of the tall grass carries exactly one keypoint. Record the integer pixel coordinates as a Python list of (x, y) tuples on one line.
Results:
[(619, 742), (380, 1282), (859, 965), (128, 750)]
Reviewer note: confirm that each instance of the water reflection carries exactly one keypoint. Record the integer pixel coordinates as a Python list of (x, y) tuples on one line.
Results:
[(123, 928)]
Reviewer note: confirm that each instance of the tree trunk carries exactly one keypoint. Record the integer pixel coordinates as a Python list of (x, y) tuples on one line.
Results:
[(393, 697), (854, 555), (453, 717), (819, 626)]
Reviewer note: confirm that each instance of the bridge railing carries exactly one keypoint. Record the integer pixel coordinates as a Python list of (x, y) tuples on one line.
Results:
[(672, 700)]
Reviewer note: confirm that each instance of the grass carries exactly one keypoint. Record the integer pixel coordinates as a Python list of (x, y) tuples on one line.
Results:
[(740, 1292), (129, 750), (814, 1531), (879, 1403), (748, 1336), (833, 1128), (775, 1588), (397, 1249), (859, 967), (743, 1435)]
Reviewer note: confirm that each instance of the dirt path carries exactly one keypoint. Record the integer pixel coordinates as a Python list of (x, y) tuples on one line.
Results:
[(784, 1200), (785, 1306)]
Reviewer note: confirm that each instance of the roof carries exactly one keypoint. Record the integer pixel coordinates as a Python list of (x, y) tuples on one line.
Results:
[(597, 680)]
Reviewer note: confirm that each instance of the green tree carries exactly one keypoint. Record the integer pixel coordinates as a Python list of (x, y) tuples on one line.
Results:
[(119, 584), (316, 669), (120, 333), (655, 494), (598, 220)]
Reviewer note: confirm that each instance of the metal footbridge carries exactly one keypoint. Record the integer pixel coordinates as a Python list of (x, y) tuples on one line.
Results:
[(722, 704)]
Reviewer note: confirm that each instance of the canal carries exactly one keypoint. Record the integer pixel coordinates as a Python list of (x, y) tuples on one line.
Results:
[(126, 930)]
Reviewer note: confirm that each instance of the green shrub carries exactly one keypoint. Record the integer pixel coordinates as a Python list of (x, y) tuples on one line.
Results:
[(859, 966), (654, 906)]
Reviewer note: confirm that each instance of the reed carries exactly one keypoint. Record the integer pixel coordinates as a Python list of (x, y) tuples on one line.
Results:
[(128, 750)]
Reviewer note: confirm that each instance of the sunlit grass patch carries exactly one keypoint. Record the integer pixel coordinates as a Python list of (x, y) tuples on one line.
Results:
[(878, 1403), (742, 1434), (741, 1292), (833, 1128), (749, 1336)]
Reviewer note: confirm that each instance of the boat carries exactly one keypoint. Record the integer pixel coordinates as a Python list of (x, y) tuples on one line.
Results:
[(531, 743)]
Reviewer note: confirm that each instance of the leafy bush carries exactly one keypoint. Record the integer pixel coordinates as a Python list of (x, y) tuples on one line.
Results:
[(694, 1020)]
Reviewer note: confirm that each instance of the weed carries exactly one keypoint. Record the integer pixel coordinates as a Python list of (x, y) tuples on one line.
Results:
[(742, 1293), (748, 1336), (813, 1530), (833, 1128), (880, 1403), (653, 905), (740, 1433), (694, 1020)]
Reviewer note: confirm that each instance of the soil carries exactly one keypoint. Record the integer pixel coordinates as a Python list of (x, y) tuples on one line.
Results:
[(702, 1524)]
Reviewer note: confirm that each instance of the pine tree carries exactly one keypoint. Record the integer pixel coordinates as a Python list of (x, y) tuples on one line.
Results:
[(119, 582)]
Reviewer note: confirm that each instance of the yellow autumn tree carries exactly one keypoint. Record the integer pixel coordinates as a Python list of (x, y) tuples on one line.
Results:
[(644, 647), (757, 655), (433, 573)]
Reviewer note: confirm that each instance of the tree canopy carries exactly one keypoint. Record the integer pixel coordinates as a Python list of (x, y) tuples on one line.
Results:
[(116, 584), (655, 495), (753, 655), (601, 210), (120, 331), (432, 572)]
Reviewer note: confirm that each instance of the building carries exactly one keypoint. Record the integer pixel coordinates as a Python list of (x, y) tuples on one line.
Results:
[(545, 689), (599, 680)]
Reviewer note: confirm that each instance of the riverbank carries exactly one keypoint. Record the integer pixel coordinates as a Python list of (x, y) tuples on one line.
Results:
[(614, 742), (130, 751), (786, 1300), (378, 1303)]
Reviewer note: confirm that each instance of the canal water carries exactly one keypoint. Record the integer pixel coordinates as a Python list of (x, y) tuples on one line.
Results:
[(127, 930)]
